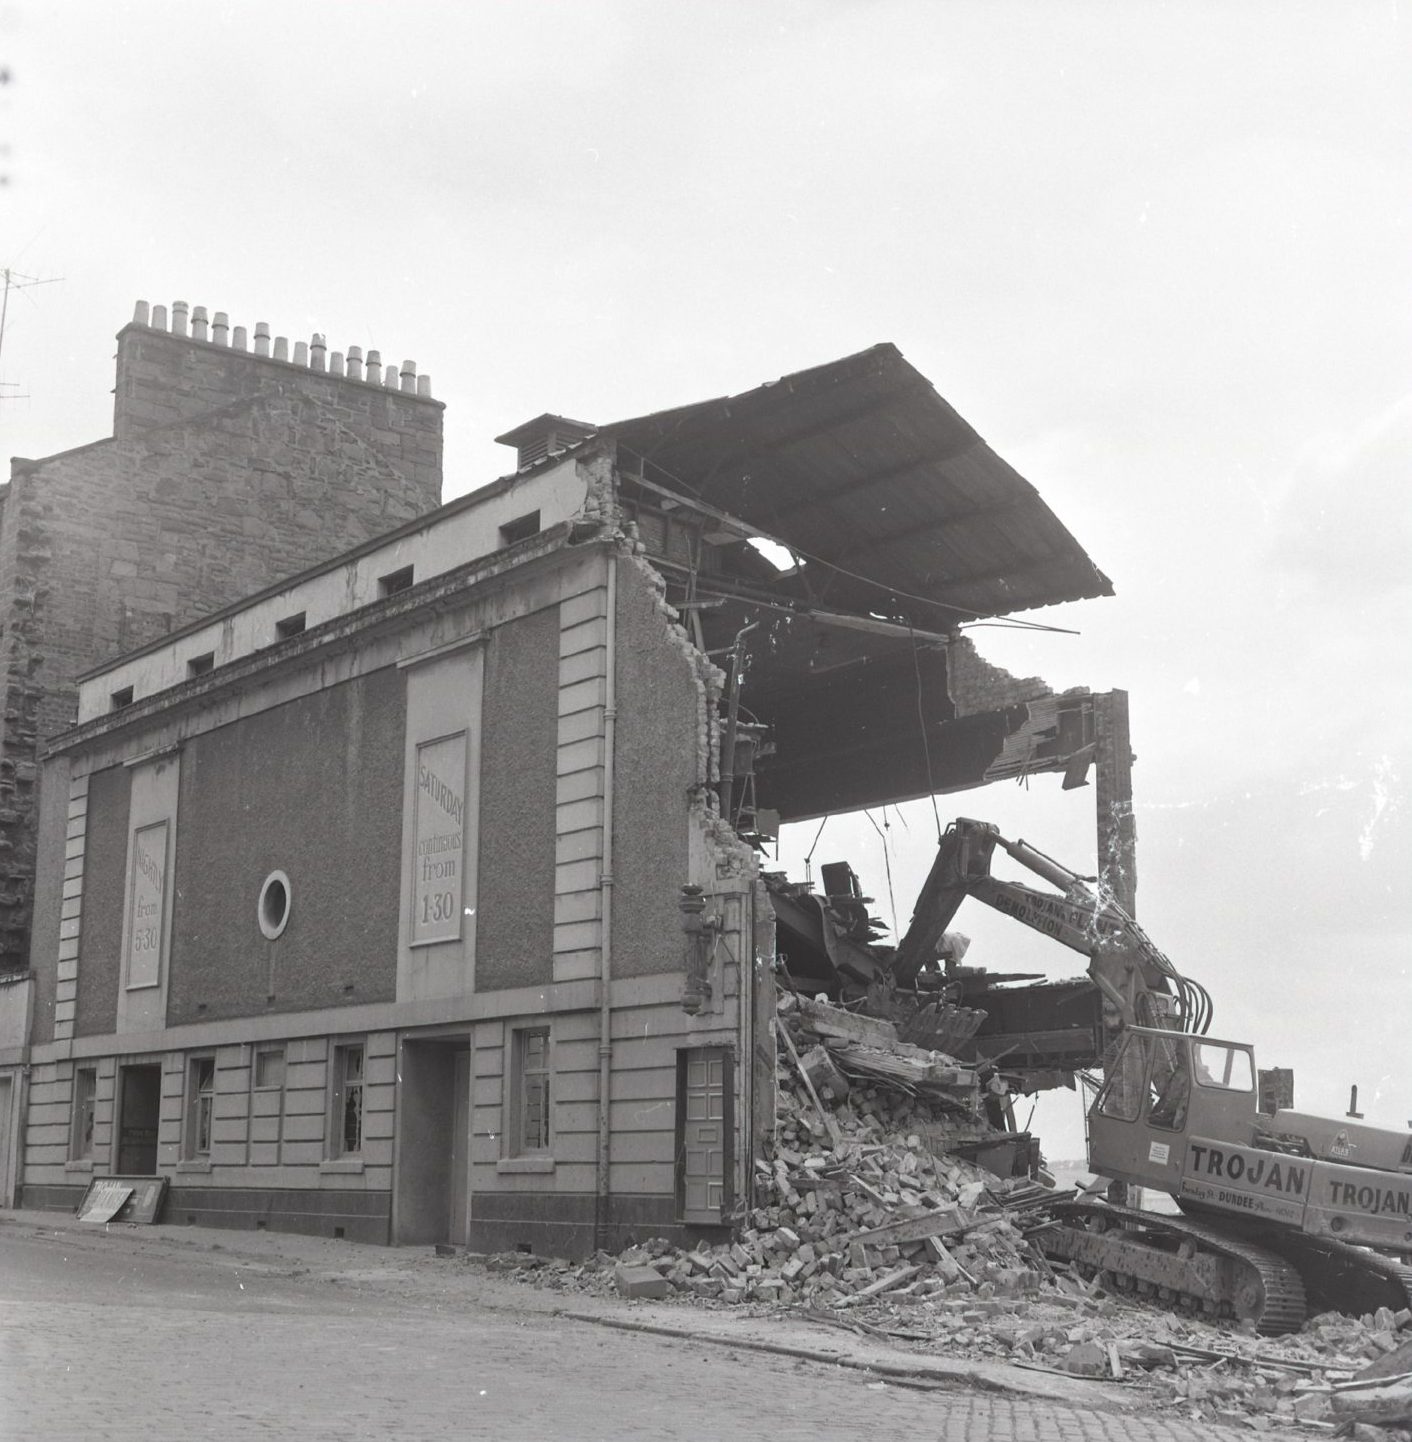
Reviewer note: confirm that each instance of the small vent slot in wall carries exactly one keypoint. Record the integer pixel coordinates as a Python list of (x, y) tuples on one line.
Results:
[(520, 529)]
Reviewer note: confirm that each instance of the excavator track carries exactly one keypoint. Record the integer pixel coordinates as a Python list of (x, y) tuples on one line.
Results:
[(1340, 1278), (1179, 1261), (1337, 1276)]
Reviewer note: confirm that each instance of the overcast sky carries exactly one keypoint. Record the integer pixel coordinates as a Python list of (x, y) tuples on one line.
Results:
[(1157, 254)]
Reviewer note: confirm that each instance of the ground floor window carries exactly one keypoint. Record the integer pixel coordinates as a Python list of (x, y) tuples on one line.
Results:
[(200, 1106), (85, 1096), (529, 1130), (346, 1110)]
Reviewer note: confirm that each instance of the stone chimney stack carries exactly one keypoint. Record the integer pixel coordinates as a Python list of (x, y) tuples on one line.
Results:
[(169, 374)]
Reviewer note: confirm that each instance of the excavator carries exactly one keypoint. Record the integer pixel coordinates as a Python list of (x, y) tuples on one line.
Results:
[(1280, 1212)]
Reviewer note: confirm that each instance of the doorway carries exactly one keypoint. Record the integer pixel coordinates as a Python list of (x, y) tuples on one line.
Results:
[(139, 1107), (433, 1135)]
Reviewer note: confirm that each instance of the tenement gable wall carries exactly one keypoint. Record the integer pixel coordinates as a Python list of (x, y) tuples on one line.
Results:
[(165, 378)]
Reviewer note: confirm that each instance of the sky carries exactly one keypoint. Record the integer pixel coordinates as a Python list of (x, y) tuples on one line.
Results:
[(1156, 253)]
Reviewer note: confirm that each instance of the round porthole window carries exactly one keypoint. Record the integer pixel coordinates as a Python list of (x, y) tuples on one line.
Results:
[(273, 907)]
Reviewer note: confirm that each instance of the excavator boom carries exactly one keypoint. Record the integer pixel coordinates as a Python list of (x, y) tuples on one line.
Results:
[(1136, 979), (1286, 1207)]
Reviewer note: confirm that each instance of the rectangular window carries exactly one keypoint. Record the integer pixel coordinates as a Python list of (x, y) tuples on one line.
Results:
[(81, 1132), (346, 1109), (200, 1106), (529, 1133), (269, 1068), (395, 581), (520, 529), (1125, 1081), (199, 665), (1227, 1068), (266, 1134), (121, 698), (290, 626)]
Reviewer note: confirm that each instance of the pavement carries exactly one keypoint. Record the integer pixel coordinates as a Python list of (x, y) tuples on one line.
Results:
[(123, 1332)]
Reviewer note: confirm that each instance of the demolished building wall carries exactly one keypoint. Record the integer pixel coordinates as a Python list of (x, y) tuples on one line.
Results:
[(608, 1067)]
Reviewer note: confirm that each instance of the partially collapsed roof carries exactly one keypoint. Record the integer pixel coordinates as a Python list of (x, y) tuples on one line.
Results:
[(860, 464)]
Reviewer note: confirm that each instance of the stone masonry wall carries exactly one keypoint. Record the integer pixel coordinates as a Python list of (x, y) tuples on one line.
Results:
[(976, 686), (164, 379), (268, 469)]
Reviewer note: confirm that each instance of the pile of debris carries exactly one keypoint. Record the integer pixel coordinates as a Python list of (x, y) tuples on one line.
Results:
[(1320, 1377), (870, 1214), (861, 1196)]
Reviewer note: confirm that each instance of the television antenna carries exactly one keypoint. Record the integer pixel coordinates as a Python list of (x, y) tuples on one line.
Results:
[(18, 281)]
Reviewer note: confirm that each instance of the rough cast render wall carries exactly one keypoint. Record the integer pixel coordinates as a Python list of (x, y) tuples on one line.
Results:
[(51, 898), (228, 473), (657, 764), (312, 788), (104, 892), (515, 921)]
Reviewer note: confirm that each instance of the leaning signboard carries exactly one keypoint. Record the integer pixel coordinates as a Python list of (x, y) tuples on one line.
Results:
[(103, 1200), (123, 1199)]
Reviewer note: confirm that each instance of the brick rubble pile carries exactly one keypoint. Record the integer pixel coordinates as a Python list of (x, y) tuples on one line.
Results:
[(864, 1221)]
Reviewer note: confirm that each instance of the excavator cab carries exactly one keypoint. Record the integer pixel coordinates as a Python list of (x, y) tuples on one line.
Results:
[(1163, 1087)]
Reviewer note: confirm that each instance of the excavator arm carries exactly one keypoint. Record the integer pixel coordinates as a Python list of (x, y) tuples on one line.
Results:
[(1137, 980)]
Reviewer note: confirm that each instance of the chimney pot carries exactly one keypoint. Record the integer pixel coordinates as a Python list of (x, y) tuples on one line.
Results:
[(159, 317), (220, 328), (318, 352), (424, 386), (180, 310), (301, 353), (237, 338), (262, 337), (355, 363), (409, 375), (140, 314), (335, 363), (198, 323), (390, 378), (374, 375), (282, 347)]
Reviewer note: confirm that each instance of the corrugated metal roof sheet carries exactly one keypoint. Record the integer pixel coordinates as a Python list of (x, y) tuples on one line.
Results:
[(862, 465)]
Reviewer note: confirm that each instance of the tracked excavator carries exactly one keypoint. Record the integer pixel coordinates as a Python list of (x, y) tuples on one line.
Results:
[(1281, 1213)]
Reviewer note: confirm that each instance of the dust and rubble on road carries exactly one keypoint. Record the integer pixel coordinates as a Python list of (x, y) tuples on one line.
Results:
[(869, 1218)]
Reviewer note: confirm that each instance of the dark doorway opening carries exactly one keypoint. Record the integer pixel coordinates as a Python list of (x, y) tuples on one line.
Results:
[(433, 1136), (139, 1107)]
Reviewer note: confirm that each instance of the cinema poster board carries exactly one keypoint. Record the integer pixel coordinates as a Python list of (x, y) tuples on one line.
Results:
[(123, 1199)]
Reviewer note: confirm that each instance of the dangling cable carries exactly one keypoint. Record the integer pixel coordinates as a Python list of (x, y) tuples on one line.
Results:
[(887, 866), (922, 722), (808, 860)]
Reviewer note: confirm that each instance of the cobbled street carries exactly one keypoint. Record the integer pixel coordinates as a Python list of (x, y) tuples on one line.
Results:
[(165, 1333)]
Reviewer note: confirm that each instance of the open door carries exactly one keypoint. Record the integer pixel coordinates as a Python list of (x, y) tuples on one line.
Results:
[(432, 1186)]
